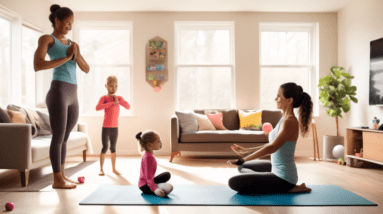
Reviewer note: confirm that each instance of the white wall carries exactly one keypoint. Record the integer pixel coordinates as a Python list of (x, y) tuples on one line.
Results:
[(358, 24), (150, 24), (153, 110)]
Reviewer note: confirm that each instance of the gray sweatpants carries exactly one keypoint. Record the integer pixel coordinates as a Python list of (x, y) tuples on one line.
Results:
[(63, 110)]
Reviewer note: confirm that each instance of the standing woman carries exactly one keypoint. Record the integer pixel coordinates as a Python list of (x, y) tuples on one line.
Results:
[(280, 174), (61, 99)]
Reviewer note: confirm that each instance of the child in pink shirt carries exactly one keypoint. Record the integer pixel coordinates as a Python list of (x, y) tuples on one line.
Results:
[(148, 184), (111, 105)]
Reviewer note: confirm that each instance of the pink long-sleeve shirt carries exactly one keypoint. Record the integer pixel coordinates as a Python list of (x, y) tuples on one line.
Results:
[(148, 170), (112, 111)]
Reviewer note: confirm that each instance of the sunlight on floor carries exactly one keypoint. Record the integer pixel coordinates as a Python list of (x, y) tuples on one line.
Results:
[(49, 199)]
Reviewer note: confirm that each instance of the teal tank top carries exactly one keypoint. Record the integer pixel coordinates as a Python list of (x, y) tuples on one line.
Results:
[(67, 71), (282, 161)]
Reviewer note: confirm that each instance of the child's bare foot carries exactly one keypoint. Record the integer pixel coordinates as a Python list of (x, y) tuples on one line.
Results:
[(63, 185), (116, 172), (70, 180), (101, 173), (300, 189)]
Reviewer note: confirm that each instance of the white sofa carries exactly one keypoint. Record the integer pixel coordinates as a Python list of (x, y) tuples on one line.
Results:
[(18, 150)]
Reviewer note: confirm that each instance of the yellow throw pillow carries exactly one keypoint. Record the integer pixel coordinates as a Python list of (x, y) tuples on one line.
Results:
[(247, 119)]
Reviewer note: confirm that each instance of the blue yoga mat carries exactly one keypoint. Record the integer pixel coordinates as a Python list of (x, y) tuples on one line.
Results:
[(198, 195)]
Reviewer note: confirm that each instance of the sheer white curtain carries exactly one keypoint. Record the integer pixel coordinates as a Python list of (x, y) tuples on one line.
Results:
[(5, 62), (30, 39)]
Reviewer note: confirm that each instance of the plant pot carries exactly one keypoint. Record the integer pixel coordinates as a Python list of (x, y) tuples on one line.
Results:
[(329, 142)]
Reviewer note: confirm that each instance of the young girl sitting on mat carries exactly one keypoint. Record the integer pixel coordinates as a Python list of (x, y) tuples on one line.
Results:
[(149, 141), (111, 104)]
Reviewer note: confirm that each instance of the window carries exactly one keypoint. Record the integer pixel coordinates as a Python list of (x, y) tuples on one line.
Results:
[(107, 48), (5, 62), (204, 65), (30, 39), (288, 53)]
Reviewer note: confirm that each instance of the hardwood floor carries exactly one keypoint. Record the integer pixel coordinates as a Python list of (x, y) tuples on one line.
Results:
[(366, 182)]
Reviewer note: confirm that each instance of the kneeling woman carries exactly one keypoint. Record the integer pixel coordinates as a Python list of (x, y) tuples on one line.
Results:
[(280, 174)]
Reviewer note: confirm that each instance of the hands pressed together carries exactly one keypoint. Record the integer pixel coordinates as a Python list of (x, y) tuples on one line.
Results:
[(73, 51), (115, 100)]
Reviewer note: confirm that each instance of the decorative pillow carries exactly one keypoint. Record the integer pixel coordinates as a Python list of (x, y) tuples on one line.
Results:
[(204, 123), (212, 111), (216, 119), (43, 123), (187, 121), (4, 117), (247, 119), (16, 117)]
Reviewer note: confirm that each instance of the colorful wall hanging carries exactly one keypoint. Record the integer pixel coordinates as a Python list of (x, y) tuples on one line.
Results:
[(156, 62)]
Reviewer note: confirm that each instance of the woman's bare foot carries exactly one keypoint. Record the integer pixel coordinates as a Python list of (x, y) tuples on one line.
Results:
[(63, 185), (101, 173), (300, 189), (60, 183), (70, 180), (116, 172)]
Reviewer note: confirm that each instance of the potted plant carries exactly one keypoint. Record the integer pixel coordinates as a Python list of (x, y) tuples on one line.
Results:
[(335, 94)]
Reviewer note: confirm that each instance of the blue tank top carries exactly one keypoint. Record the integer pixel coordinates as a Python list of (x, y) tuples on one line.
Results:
[(67, 71), (282, 161)]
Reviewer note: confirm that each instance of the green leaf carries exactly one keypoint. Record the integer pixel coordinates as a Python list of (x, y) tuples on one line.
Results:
[(341, 87), (354, 99), (347, 83), (337, 74), (347, 76), (346, 105), (324, 94), (333, 69)]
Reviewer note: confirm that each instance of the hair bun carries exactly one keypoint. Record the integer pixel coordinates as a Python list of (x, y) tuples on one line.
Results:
[(138, 136), (54, 8), (300, 89)]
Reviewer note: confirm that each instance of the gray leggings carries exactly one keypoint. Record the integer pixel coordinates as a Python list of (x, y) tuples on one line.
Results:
[(112, 134), (257, 178), (62, 105)]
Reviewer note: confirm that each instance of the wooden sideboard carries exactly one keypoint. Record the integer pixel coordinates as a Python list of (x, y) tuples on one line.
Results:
[(370, 140)]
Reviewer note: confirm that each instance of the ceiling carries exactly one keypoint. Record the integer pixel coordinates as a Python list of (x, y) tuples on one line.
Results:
[(204, 5)]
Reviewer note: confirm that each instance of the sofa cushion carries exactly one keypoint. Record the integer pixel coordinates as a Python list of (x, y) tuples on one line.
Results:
[(4, 117), (219, 136), (204, 123), (188, 122), (216, 119), (41, 144), (17, 117), (42, 121), (247, 119), (230, 117)]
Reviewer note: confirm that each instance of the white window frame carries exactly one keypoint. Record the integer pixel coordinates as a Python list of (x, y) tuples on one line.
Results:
[(201, 25), (106, 25), (313, 66)]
